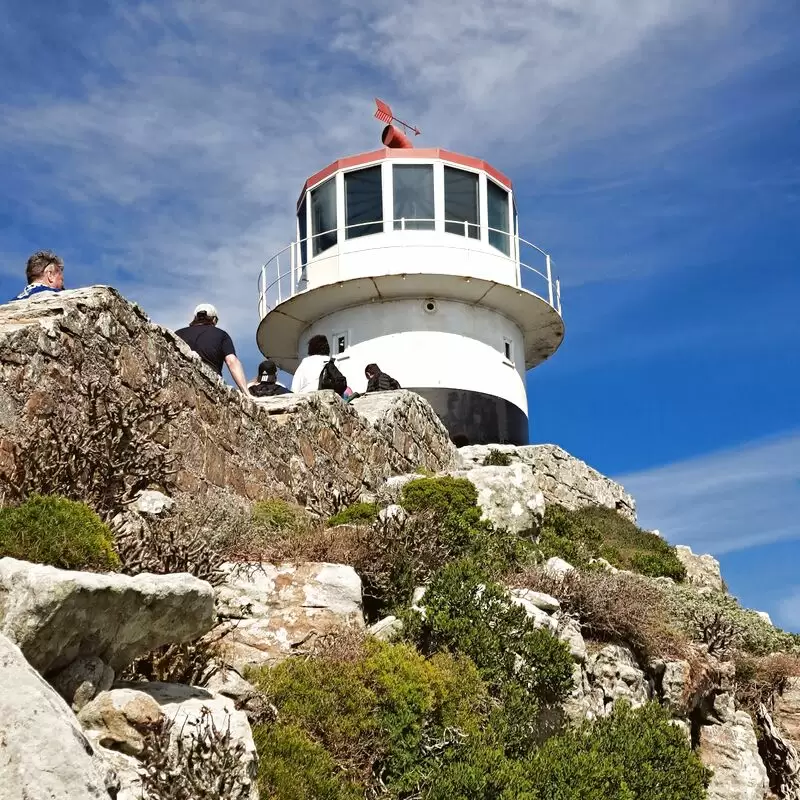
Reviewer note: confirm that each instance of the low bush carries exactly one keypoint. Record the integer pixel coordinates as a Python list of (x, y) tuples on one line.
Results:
[(596, 532), (279, 515), (52, 530), (759, 680), (466, 613), (291, 766), (692, 611), (630, 755), (356, 514), (497, 458), (614, 607), (377, 710)]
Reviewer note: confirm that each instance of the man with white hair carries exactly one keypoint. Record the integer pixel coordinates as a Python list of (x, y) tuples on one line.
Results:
[(212, 344)]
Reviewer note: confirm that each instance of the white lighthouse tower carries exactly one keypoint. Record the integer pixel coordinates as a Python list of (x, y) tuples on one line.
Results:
[(411, 258)]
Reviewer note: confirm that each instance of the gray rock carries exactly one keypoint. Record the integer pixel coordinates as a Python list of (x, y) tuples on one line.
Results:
[(569, 631), (557, 566), (152, 502), (392, 513), (613, 674), (229, 683), (701, 570), (82, 680), (58, 616), (731, 751), (44, 755), (541, 619), (545, 602), (272, 612), (766, 617), (562, 478), (184, 705), (119, 719), (386, 629)]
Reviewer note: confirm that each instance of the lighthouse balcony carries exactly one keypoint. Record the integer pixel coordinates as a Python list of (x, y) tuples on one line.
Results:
[(404, 248)]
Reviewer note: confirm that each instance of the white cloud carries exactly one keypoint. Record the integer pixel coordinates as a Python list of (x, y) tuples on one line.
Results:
[(724, 501), (191, 128)]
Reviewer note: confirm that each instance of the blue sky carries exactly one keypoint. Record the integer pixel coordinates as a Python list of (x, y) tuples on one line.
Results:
[(655, 151)]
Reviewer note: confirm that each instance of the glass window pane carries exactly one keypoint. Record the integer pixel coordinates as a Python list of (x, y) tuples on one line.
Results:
[(461, 202), (363, 193), (413, 196), (497, 198), (302, 227), (323, 216)]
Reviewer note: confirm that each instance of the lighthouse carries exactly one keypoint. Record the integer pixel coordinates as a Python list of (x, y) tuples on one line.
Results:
[(412, 258)]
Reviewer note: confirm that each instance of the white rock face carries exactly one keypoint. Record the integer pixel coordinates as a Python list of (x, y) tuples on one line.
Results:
[(702, 571), (57, 616), (562, 478), (151, 502), (272, 611), (731, 751), (541, 619), (43, 754)]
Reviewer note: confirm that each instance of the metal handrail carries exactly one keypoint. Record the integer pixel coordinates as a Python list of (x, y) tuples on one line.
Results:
[(297, 267)]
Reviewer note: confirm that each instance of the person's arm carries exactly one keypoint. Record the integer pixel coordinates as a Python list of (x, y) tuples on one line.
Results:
[(237, 372)]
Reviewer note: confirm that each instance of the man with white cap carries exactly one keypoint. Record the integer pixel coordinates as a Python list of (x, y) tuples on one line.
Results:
[(212, 344)]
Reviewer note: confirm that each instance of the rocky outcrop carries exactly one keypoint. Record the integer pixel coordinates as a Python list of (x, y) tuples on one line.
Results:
[(43, 754), (297, 446), (787, 711), (59, 616), (779, 756), (701, 571), (731, 751), (271, 612), (118, 721), (560, 477)]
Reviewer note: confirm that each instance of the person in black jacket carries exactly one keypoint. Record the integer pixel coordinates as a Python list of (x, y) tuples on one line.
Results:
[(266, 384), (379, 381)]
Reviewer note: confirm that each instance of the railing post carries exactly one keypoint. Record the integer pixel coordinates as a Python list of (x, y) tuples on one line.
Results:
[(292, 267), (262, 292), (549, 279), (278, 273), (466, 229), (558, 294), (402, 223)]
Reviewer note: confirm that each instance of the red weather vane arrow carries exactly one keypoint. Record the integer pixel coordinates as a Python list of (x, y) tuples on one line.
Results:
[(384, 114)]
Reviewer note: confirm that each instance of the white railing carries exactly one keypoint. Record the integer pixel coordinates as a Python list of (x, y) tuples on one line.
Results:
[(285, 274)]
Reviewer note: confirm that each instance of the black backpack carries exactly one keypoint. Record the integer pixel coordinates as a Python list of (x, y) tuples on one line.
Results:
[(332, 378)]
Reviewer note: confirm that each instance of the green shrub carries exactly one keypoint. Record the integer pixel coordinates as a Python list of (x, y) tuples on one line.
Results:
[(630, 755), (691, 611), (56, 531), (356, 514), (467, 613), (293, 767), (497, 458), (375, 709), (595, 532), (279, 515)]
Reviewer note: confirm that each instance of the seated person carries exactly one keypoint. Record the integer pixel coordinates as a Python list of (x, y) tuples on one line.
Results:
[(379, 381), (266, 385), (309, 375), (44, 273)]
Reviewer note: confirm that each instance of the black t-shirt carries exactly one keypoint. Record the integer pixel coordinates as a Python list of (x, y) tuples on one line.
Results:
[(212, 344)]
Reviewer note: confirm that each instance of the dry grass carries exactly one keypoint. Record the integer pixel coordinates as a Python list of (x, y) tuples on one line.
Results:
[(613, 607)]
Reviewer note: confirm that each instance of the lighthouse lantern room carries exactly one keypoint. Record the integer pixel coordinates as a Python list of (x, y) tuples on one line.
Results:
[(411, 258)]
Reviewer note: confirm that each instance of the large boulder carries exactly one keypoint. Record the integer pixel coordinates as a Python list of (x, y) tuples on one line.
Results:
[(731, 751), (57, 616), (120, 719), (786, 713), (271, 612), (43, 754), (562, 478), (701, 570)]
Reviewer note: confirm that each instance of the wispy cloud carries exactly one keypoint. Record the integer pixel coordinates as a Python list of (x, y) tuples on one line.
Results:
[(188, 129), (725, 501)]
